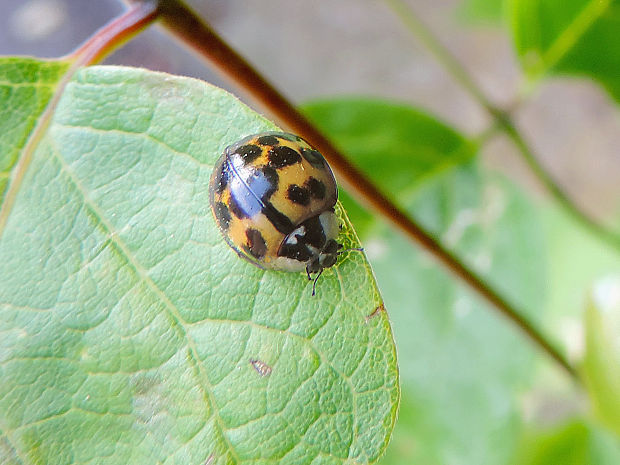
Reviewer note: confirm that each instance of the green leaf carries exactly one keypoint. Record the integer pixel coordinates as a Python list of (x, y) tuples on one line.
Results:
[(131, 333), (568, 285), (601, 364), (396, 145), (574, 443), (569, 36), (481, 11), (463, 368), (26, 86)]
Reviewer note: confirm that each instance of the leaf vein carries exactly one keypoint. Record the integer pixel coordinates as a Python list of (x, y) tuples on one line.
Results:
[(575, 30), (11, 443), (143, 135)]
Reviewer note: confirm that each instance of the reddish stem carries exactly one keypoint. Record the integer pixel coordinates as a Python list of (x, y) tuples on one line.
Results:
[(115, 33)]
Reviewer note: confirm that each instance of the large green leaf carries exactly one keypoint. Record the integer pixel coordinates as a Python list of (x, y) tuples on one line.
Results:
[(26, 86), (601, 365), (576, 442), (463, 368), (569, 36), (131, 333)]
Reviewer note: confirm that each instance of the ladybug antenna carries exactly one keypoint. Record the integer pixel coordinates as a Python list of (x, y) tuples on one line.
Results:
[(315, 280)]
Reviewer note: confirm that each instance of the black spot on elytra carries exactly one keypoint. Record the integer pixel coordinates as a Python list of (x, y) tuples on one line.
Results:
[(249, 153), (222, 214), (313, 157), (297, 194), (281, 156), (264, 183), (256, 245), (317, 188), (268, 140), (236, 209), (220, 180), (279, 220)]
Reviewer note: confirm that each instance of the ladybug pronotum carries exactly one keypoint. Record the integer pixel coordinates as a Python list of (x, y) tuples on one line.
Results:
[(273, 198)]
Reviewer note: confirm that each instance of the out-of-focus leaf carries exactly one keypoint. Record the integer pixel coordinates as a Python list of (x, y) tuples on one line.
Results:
[(574, 443), (462, 366), (568, 244), (569, 36), (130, 333), (601, 364)]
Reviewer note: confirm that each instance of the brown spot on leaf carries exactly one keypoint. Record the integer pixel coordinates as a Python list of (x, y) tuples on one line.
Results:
[(261, 367), (376, 311)]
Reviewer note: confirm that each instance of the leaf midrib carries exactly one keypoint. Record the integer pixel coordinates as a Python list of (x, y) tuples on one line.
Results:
[(143, 275), (571, 34)]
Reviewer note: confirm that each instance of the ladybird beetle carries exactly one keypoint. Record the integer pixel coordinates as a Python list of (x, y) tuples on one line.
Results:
[(273, 198)]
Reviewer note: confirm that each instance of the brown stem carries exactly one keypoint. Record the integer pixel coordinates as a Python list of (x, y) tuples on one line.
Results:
[(191, 30), (115, 33)]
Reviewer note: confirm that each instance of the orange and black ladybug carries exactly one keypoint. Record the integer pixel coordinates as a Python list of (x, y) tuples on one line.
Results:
[(273, 198)]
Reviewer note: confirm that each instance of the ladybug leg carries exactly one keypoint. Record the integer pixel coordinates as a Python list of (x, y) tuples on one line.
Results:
[(308, 273), (358, 249), (315, 280)]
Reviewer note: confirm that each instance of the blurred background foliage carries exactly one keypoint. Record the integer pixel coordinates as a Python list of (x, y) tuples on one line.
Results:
[(475, 391)]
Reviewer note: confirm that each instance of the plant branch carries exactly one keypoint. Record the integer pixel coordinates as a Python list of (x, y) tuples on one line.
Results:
[(441, 53), (114, 34), (503, 118), (190, 29), (101, 43), (560, 196)]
